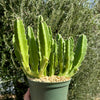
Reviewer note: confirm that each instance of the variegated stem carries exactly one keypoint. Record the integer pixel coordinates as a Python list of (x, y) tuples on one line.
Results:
[(33, 50), (51, 60), (60, 54), (21, 44), (17, 50), (45, 38), (55, 54), (80, 53), (51, 65), (71, 53), (68, 55), (32, 74), (43, 65), (37, 39)]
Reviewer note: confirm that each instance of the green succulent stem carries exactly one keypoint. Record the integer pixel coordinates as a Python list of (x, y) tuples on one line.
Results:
[(33, 50), (60, 53), (43, 66), (51, 65), (80, 53), (69, 55), (30, 74)]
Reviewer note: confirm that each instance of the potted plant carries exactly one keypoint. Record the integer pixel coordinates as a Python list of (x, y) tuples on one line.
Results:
[(48, 63)]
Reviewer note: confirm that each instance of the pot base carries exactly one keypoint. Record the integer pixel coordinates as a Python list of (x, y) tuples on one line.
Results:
[(48, 91)]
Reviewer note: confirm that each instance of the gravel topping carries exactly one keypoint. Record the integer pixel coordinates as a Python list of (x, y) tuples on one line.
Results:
[(51, 79)]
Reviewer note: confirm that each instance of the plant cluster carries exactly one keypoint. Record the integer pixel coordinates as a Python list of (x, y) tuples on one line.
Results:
[(36, 54)]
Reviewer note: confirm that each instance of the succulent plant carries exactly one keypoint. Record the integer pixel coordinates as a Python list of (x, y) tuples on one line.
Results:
[(42, 55)]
